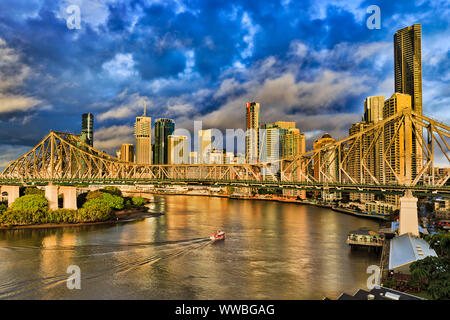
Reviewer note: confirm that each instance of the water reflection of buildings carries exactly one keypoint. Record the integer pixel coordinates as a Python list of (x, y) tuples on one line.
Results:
[(278, 251), (54, 260)]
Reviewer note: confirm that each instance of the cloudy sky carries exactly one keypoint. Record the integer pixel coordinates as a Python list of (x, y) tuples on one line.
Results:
[(312, 62)]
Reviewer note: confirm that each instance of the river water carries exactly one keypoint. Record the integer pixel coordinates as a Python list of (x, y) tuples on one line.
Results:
[(272, 251)]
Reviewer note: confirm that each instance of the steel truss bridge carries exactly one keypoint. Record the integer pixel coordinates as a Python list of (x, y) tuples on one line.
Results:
[(391, 156)]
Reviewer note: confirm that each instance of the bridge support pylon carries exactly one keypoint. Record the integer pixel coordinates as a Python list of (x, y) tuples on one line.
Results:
[(409, 221), (13, 193), (70, 197), (51, 193)]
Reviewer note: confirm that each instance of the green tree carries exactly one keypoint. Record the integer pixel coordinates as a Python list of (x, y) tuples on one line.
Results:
[(419, 275), (22, 217), (390, 283), (112, 190), (62, 216), (94, 195), (3, 208), (440, 242), (114, 202), (33, 190), (95, 210), (32, 202), (440, 289), (432, 274), (138, 201)]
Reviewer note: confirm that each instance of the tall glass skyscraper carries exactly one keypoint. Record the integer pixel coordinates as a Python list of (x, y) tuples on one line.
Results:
[(408, 79), (143, 134), (252, 151), (163, 128), (408, 64), (87, 128)]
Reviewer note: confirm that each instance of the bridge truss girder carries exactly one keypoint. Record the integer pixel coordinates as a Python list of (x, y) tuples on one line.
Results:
[(365, 158), (387, 145)]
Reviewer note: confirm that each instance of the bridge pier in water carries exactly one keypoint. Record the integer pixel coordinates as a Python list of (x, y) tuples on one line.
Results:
[(13, 193), (70, 196)]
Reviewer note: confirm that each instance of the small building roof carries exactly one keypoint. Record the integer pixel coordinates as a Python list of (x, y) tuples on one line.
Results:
[(407, 249), (365, 232), (378, 293), (395, 225)]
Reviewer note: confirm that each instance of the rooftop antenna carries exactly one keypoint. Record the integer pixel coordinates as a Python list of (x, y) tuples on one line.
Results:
[(145, 108)]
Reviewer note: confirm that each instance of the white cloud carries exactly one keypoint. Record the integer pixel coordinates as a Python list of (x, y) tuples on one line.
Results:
[(352, 54), (227, 87), (175, 109), (111, 138), (190, 62), (13, 103), (13, 74), (93, 12), (298, 49), (318, 9), (128, 106), (385, 87), (282, 97), (249, 37), (121, 66), (10, 153)]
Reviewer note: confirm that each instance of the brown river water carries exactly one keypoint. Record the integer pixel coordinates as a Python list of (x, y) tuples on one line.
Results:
[(272, 251)]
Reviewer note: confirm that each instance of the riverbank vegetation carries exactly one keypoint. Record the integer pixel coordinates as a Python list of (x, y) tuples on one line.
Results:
[(430, 277), (95, 206)]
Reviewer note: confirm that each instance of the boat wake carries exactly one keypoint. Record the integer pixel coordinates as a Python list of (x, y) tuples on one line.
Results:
[(170, 250)]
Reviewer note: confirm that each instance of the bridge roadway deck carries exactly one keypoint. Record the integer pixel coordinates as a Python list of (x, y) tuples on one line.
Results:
[(418, 190)]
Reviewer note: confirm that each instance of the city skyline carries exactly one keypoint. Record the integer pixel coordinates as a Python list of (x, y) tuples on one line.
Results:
[(208, 151), (345, 64), (269, 143)]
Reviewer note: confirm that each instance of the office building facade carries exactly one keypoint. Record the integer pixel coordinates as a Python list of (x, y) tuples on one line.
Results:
[(163, 129), (178, 149), (408, 78), (293, 143), (127, 152), (193, 157), (408, 64), (398, 142), (143, 135), (252, 125), (204, 145), (270, 147), (87, 128)]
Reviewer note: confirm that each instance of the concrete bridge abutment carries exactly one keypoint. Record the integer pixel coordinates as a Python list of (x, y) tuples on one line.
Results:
[(13, 193), (70, 196), (51, 193)]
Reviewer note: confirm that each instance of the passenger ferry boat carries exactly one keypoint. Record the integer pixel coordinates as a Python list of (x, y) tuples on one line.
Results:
[(219, 235)]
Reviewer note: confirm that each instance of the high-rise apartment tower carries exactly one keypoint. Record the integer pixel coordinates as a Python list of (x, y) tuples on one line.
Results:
[(163, 129), (143, 134), (87, 128), (252, 151)]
